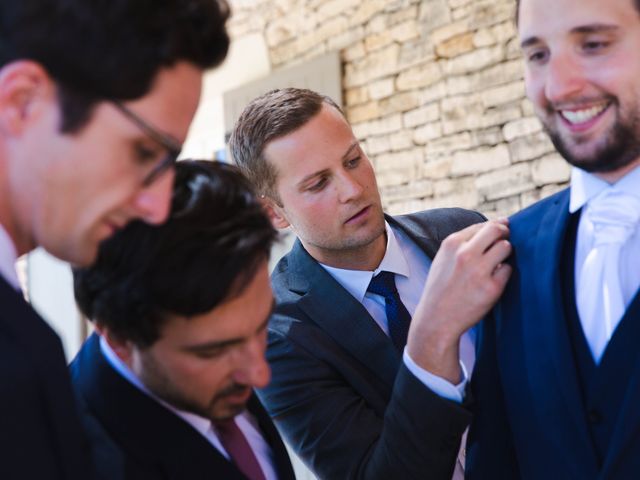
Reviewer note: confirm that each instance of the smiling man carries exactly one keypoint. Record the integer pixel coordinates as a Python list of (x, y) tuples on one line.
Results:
[(167, 388), (556, 383), (95, 101), (367, 381)]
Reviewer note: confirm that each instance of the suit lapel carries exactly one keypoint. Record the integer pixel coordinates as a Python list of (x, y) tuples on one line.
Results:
[(271, 435), (341, 316), (629, 419), (550, 364)]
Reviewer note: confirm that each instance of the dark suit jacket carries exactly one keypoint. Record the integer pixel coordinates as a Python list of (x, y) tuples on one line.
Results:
[(530, 419), (134, 437), (340, 393), (40, 432)]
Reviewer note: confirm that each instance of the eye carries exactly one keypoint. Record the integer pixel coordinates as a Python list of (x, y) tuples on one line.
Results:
[(537, 56), (318, 185), (145, 154), (353, 162), (210, 354), (594, 45)]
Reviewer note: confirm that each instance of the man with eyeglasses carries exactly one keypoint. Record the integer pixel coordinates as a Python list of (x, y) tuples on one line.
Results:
[(95, 100)]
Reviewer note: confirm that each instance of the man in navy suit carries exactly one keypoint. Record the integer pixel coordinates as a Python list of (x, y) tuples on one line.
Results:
[(557, 378), (351, 400), (95, 101), (166, 389)]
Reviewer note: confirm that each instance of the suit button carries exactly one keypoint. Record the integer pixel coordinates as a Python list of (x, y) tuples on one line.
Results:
[(594, 417)]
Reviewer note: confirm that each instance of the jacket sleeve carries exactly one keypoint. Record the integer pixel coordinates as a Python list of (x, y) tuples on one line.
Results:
[(339, 436)]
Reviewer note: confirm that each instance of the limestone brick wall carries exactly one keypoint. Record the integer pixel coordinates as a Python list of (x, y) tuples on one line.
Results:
[(434, 90)]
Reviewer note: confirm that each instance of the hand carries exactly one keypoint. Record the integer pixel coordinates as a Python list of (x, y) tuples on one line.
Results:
[(466, 278)]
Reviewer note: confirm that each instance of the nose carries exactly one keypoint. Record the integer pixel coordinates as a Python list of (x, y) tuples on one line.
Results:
[(564, 79), (153, 202), (252, 368), (349, 187)]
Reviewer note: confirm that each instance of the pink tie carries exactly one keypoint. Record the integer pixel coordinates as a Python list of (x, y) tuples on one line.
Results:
[(236, 445)]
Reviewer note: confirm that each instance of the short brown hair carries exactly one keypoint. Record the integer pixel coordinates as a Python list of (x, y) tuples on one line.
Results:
[(267, 117)]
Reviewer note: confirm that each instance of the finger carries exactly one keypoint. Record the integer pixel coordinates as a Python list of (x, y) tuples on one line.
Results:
[(467, 233), (496, 254), (501, 274), (489, 234)]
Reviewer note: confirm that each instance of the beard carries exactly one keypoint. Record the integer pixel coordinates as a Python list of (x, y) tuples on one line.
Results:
[(619, 147)]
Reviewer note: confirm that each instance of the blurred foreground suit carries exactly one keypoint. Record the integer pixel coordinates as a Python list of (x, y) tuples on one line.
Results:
[(40, 432)]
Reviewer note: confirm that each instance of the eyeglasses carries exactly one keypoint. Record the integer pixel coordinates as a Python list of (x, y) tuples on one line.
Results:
[(172, 146)]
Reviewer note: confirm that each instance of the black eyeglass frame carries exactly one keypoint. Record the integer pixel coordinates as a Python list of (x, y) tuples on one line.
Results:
[(172, 146)]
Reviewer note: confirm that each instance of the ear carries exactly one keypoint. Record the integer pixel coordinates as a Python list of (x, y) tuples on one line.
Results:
[(122, 348), (275, 213), (25, 87)]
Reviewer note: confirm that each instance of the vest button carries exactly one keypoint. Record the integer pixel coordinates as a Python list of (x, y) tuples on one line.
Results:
[(594, 416)]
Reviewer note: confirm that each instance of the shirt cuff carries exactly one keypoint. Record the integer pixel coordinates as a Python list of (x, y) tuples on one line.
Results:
[(438, 385)]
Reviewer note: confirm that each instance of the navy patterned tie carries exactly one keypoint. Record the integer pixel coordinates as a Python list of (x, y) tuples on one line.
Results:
[(398, 318)]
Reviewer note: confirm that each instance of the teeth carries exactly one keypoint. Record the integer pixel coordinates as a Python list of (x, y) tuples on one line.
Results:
[(582, 116)]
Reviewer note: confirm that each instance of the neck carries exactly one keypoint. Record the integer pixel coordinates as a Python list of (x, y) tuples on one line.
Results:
[(613, 177), (364, 257), (8, 214)]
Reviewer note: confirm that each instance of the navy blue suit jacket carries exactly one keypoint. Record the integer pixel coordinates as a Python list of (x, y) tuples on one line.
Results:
[(530, 420), (40, 432), (133, 437), (340, 392)]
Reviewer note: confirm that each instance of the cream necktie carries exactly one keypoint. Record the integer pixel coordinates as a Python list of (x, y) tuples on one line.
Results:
[(615, 216)]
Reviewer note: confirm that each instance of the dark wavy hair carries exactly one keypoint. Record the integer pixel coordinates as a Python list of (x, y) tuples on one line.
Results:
[(216, 237), (110, 49)]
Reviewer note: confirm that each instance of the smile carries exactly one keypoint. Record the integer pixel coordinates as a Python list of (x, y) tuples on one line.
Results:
[(578, 117)]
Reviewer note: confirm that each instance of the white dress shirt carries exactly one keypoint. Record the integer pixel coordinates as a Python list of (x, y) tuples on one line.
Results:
[(8, 257), (584, 187), (245, 421), (411, 267)]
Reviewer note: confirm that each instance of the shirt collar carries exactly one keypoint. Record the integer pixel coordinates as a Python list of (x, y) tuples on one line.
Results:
[(356, 282), (8, 257), (201, 424), (585, 186)]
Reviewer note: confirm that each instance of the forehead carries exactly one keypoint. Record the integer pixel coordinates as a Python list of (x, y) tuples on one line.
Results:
[(325, 138), (547, 18)]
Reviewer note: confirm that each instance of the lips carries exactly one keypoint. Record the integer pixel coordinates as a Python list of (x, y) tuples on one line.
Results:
[(361, 213), (583, 118)]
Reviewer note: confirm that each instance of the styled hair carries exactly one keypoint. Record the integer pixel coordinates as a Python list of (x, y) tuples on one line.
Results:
[(636, 3), (268, 117), (110, 50), (215, 239)]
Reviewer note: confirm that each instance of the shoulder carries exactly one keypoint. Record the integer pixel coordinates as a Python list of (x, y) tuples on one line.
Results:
[(527, 220)]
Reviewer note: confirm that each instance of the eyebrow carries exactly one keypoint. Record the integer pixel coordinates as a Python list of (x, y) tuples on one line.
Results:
[(351, 148), (219, 344), (583, 29)]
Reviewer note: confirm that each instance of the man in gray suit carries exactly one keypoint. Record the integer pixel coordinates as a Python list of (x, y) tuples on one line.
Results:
[(367, 381)]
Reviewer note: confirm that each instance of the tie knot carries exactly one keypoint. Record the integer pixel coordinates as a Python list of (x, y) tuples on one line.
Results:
[(615, 215), (383, 284)]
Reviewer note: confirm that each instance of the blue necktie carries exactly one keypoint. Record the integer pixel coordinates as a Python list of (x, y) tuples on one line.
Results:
[(398, 318)]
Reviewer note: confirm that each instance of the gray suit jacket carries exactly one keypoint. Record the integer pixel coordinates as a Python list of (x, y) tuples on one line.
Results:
[(340, 393)]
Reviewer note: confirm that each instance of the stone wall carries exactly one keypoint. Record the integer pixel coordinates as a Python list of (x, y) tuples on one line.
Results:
[(434, 90)]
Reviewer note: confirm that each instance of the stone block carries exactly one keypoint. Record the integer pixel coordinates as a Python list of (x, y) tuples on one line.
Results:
[(473, 61), (505, 182), (402, 140), (400, 102), (551, 168), (480, 160), (501, 33), (356, 96), (378, 145), (422, 115), (426, 133), (530, 147), (503, 94), (437, 169), (419, 76), (382, 88), (521, 127), (455, 46)]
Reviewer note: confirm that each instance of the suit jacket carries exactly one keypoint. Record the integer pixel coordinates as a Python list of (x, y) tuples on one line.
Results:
[(134, 437), (40, 432), (340, 393), (531, 421)]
